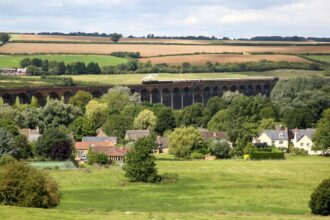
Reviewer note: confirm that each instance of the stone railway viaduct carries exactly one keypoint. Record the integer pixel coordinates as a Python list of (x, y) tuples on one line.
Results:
[(174, 94)]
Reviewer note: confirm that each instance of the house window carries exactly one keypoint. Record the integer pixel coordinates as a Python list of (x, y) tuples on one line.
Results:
[(273, 143), (281, 142), (307, 144), (301, 144)]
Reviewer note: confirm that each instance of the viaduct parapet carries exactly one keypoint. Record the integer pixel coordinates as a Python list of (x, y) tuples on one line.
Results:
[(174, 94)]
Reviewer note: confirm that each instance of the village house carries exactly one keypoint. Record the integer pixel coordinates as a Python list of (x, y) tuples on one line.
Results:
[(276, 138), (218, 135), (30, 134), (83, 147), (303, 139), (135, 135), (115, 154), (100, 139)]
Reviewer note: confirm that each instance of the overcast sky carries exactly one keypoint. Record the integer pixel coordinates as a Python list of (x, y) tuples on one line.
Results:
[(233, 18)]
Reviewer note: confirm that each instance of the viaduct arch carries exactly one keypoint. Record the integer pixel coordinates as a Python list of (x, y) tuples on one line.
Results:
[(174, 94)]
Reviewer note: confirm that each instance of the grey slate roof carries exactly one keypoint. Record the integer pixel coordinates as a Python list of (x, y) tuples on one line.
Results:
[(300, 133), (281, 135), (100, 139), (136, 134)]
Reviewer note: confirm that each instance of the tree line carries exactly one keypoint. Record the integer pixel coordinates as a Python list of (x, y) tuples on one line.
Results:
[(36, 66)]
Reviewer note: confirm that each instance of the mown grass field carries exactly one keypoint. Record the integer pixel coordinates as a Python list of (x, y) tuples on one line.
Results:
[(103, 60), (226, 189), (129, 79)]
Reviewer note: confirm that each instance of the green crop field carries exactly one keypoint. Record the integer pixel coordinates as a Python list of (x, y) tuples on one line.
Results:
[(324, 58), (13, 61), (128, 79), (225, 189)]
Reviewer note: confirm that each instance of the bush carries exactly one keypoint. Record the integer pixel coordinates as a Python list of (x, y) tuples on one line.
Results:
[(197, 156), (6, 159), (101, 158), (169, 178), (299, 151), (22, 185), (221, 149), (255, 155), (320, 199)]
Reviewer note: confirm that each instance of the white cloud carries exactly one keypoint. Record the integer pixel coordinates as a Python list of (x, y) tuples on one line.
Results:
[(239, 18)]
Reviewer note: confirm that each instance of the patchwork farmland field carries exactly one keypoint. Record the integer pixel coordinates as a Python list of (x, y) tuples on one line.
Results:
[(201, 59), (151, 50), (102, 60), (223, 189), (88, 39), (91, 39)]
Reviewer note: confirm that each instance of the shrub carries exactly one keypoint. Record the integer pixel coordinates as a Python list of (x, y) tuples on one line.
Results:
[(299, 151), (6, 159), (197, 156), (262, 155), (22, 185), (220, 148), (97, 158), (169, 178), (320, 199), (249, 148), (101, 158)]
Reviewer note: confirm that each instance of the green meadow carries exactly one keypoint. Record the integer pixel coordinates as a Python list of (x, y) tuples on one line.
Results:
[(223, 189), (13, 61)]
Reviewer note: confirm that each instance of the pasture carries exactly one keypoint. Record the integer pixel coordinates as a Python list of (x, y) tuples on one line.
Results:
[(201, 59), (225, 189), (148, 50), (13, 61)]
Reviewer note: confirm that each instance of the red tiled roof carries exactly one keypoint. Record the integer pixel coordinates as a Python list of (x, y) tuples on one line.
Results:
[(87, 145), (111, 151)]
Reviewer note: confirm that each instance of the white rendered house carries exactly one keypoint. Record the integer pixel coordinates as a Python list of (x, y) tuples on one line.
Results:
[(276, 138)]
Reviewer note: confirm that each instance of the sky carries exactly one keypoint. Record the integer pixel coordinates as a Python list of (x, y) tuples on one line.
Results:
[(232, 18)]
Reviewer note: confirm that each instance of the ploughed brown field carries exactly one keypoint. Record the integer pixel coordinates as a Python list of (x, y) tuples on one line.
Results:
[(31, 37), (221, 58), (151, 50)]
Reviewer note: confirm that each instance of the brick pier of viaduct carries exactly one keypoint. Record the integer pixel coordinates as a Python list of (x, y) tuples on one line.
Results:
[(175, 94)]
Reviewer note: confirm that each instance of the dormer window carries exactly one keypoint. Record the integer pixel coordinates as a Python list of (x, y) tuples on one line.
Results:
[(281, 135)]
